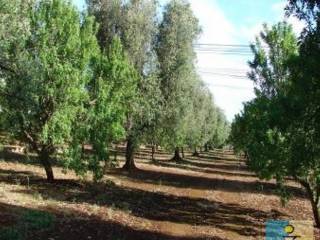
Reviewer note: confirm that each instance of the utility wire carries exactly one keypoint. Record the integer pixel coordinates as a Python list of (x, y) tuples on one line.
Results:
[(224, 49), (225, 74), (222, 45), (247, 46), (228, 71), (225, 52), (238, 70), (230, 87)]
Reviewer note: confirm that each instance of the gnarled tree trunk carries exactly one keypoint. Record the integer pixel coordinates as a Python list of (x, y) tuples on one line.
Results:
[(206, 148), (130, 149), (182, 152), (315, 210), (195, 153), (176, 156), (45, 160), (314, 197), (153, 152)]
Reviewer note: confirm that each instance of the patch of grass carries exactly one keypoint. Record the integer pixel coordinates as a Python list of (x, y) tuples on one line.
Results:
[(10, 233), (36, 195), (101, 198), (29, 222), (36, 220), (126, 207), (109, 183)]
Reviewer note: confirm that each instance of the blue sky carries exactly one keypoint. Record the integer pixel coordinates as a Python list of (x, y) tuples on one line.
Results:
[(230, 22)]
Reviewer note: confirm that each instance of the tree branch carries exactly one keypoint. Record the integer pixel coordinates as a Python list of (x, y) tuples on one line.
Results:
[(31, 141)]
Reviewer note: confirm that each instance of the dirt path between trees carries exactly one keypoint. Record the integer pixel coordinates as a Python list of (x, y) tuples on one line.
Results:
[(213, 196)]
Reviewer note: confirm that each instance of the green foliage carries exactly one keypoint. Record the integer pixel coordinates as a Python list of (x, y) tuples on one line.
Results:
[(190, 116), (178, 31), (259, 130), (76, 83), (135, 23), (111, 88), (279, 129), (306, 10), (221, 130), (108, 13), (272, 54), (45, 86), (58, 77)]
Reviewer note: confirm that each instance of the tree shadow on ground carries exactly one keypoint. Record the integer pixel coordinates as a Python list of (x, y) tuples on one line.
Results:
[(29, 159), (201, 170), (19, 157), (229, 166), (213, 156), (200, 182), (155, 206), (76, 226)]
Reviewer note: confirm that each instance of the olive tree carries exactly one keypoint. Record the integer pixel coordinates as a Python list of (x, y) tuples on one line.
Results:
[(135, 22), (178, 31), (59, 90), (279, 129)]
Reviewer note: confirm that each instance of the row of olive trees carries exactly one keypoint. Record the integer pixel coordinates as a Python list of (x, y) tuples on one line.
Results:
[(279, 129), (174, 108), (78, 82)]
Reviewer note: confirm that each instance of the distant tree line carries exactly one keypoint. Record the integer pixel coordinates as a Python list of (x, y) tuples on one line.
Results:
[(79, 82), (279, 130)]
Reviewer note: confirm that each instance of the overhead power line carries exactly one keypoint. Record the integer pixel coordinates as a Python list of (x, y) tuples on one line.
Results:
[(224, 49), (224, 53), (221, 45), (225, 69), (225, 74), (230, 87)]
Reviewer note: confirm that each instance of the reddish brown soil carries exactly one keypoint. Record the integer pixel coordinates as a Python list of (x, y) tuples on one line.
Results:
[(213, 196)]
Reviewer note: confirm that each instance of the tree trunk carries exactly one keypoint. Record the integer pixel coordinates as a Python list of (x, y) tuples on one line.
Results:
[(130, 149), (46, 162), (206, 148), (316, 215), (182, 152), (314, 200), (115, 155), (176, 156), (195, 153), (153, 152)]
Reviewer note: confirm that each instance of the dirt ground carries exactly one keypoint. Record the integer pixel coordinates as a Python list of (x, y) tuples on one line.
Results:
[(213, 196)]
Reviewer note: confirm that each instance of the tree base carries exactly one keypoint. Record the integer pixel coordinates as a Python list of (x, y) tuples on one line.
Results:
[(129, 167), (196, 154), (176, 158)]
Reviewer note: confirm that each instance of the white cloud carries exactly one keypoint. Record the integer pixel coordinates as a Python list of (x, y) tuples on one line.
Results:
[(250, 32), (297, 25), (229, 93), (279, 6), (213, 22)]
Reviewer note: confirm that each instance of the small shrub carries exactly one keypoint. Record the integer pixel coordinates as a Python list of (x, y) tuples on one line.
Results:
[(109, 183)]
